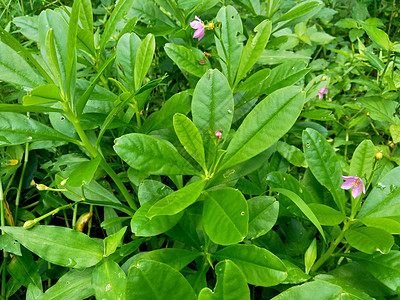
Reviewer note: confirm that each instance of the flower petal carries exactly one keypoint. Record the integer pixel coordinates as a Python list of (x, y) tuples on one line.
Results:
[(356, 191), (348, 184)]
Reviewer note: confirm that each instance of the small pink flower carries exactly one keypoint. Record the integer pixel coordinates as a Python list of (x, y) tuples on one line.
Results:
[(321, 92), (354, 183), (199, 26), (218, 134)]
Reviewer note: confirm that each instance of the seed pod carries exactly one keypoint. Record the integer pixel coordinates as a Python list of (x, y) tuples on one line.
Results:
[(82, 221)]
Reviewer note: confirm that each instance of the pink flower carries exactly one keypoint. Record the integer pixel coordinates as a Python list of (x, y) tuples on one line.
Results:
[(199, 26), (354, 183), (218, 134), (321, 92)]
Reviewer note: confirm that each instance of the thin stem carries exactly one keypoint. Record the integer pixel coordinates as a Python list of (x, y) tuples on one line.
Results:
[(74, 215), (2, 222), (384, 71), (90, 220), (21, 180)]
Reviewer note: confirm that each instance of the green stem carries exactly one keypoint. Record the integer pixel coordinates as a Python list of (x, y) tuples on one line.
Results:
[(332, 248), (90, 220), (21, 180), (74, 215), (228, 65), (384, 71), (3, 223)]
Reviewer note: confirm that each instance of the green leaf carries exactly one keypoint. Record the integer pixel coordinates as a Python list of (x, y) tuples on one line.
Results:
[(326, 215), (389, 225), (384, 267), (225, 216), (310, 256), (141, 225), (378, 36), (15, 70), (84, 172), (177, 201), (291, 153), (323, 163), (228, 46), (186, 59), (108, 281), (259, 266), (8, 244), (19, 129), (127, 48), (119, 11), (231, 283), (362, 161), (253, 81), (254, 48), (86, 15), (153, 156), (111, 242), (73, 285), (144, 58), (212, 105), (190, 138), (58, 245), (380, 109), (25, 270), (28, 26), (263, 213), (21, 108), (369, 239), (150, 280), (318, 114), (395, 133), (308, 290), (303, 8), (42, 94), (264, 125), (384, 199), (303, 207)]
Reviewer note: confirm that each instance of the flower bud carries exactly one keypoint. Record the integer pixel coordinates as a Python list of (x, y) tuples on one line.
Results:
[(29, 224), (41, 187), (378, 155)]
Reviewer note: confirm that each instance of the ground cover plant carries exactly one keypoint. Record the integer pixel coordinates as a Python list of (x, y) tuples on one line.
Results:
[(182, 149)]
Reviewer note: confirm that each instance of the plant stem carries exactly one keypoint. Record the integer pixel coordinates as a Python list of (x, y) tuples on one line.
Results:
[(2, 222), (21, 180)]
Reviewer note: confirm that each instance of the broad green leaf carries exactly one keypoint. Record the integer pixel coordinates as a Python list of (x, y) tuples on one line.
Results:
[(144, 58), (74, 285), (151, 191), (369, 239), (127, 47), (33, 292), (378, 36), (28, 26), (8, 244), (174, 257), (212, 105), (15, 70), (84, 172), (395, 133), (253, 49), (295, 274), (108, 281), (146, 9), (274, 57), (153, 156), (362, 161), (190, 138), (318, 114), (264, 125), (253, 81), (380, 109), (299, 10), (141, 225), (231, 284), (326, 215), (19, 129), (42, 94), (374, 60), (310, 256), (308, 290), (263, 213), (118, 12), (228, 46), (149, 280), (291, 153), (384, 199), (225, 216), (389, 225), (384, 267), (86, 15), (302, 206), (32, 108), (177, 201), (259, 266), (323, 163), (186, 59), (111, 242), (25, 270), (58, 245)]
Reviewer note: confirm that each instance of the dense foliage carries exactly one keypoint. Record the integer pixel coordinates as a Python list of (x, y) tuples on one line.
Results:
[(185, 149)]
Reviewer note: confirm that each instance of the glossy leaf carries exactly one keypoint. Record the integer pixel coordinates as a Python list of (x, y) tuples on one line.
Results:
[(111, 242), (263, 213), (74, 285), (153, 156), (326, 215), (84, 172), (42, 94), (150, 280), (127, 47), (228, 46), (362, 160), (225, 216), (108, 281), (144, 58), (369, 239), (259, 266), (253, 81), (389, 225), (291, 153), (25, 270), (323, 163), (190, 138), (58, 245), (308, 290), (310, 256), (299, 10), (32, 108), (264, 125), (378, 36), (177, 201), (231, 284)]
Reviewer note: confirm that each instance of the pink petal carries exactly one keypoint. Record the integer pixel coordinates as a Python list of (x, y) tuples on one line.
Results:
[(356, 191), (196, 25), (348, 184), (320, 96), (348, 177)]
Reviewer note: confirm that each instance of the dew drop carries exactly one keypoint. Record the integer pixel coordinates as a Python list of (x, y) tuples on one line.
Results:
[(381, 185), (379, 250), (108, 287), (393, 188), (29, 137), (229, 111), (284, 178)]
